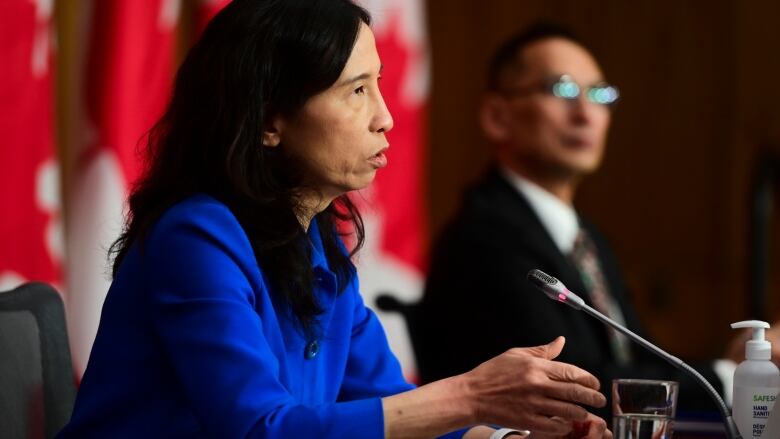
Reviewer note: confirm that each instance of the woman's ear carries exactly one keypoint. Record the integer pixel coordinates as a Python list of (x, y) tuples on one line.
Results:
[(272, 133), (493, 117)]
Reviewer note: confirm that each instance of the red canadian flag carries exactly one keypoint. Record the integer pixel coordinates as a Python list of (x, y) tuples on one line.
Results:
[(30, 237), (392, 260), (129, 68)]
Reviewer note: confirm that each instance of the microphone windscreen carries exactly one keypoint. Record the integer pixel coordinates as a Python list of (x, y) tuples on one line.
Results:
[(554, 289), (541, 279)]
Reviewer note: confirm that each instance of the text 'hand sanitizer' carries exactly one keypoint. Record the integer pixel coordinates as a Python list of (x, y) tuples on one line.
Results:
[(756, 383)]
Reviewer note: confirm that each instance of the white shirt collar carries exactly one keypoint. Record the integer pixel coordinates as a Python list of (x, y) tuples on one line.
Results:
[(557, 217)]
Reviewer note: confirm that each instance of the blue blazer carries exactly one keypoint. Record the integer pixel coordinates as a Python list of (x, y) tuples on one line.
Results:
[(192, 343)]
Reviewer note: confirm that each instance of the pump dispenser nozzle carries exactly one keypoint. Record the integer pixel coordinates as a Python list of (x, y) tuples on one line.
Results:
[(757, 348)]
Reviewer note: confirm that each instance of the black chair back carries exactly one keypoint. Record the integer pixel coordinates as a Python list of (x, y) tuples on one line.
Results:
[(37, 389)]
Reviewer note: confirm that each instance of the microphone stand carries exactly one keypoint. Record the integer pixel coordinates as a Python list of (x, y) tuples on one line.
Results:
[(555, 290), (731, 427)]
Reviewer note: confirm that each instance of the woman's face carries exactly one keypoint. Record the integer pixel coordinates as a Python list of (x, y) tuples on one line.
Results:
[(339, 134)]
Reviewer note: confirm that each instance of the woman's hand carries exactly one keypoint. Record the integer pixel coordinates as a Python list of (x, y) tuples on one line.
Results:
[(524, 389), (592, 428), (521, 388)]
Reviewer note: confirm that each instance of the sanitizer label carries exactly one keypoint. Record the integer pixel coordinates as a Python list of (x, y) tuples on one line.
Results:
[(759, 401)]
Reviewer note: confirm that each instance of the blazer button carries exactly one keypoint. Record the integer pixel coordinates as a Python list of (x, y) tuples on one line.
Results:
[(312, 349)]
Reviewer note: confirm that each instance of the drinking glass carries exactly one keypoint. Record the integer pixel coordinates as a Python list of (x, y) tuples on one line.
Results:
[(643, 409)]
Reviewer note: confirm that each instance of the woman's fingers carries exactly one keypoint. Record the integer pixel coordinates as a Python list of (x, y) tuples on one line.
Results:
[(593, 428), (564, 410), (568, 373), (575, 393)]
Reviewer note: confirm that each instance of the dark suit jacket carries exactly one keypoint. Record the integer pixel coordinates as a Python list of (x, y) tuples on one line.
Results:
[(478, 303)]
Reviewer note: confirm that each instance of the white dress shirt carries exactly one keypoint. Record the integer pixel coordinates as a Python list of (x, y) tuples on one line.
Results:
[(558, 218)]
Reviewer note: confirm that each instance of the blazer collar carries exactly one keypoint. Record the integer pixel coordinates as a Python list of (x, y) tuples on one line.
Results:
[(512, 209)]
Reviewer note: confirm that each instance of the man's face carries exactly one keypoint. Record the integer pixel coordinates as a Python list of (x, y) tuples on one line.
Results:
[(542, 133)]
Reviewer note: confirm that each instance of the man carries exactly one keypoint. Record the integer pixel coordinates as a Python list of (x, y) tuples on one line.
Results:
[(546, 113)]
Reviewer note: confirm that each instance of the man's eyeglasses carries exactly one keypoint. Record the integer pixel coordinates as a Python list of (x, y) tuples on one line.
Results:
[(564, 87)]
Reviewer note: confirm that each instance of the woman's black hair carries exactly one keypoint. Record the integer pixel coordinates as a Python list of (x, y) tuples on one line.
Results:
[(255, 60)]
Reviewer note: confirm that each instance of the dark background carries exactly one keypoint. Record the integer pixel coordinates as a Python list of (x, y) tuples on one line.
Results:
[(699, 110)]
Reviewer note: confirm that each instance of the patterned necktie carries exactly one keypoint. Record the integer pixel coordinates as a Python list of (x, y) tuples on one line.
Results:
[(585, 258)]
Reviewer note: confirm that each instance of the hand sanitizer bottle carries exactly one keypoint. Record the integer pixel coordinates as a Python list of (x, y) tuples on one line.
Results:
[(756, 383)]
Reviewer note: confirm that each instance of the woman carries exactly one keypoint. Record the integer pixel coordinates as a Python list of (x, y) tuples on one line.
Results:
[(234, 310)]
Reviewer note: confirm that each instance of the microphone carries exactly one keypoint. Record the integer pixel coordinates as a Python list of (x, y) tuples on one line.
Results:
[(555, 290)]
